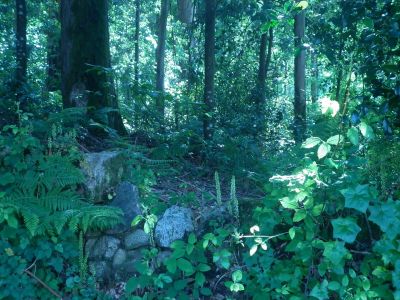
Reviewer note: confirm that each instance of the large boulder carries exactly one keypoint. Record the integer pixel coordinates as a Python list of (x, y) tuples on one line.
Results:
[(103, 171), (173, 225)]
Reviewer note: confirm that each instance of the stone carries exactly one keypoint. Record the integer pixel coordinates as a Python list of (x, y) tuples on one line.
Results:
[(105, 247), (100, 269), (136, 239), (119, 258), (174, 224), (102, 170), (127, 199)]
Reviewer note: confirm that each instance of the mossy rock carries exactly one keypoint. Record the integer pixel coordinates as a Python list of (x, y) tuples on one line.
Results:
[(103, 171)]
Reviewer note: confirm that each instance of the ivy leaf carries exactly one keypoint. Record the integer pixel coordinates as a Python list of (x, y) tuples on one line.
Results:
[(386, 216), (335, 252), (357, 198), (345, 229), (323, 150), (353, 136), (320, 291), (199, 279), (311, 142), (292, 233)]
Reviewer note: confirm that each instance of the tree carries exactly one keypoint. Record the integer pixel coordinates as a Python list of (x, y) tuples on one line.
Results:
[(160, 57), (21, 49), (53, 48), (137, 55), (86, 66), (299, 78), (209, 67)]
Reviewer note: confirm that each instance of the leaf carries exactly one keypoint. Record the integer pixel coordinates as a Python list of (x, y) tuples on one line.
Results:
[(311, 142), (237, 287), (335, 252), (299, 215), (345, 229), (320, 291), (292, 233), (367, 131), (253, 250), (203, 267), (171, 265), (137, 220), (192, 238), (302, 5), (237, 276), (357, 198), (323, 150), (254, 229), (131, 285), (199, 279), (335, 140), (289, 203), (334, 286), (353, 136), (185, 265), (386, 216)]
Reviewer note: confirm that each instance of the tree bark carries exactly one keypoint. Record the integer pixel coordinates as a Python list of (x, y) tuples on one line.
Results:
[(209, 67), (160, 57), (300, 115), (21, 49), (53, 50), (136, 66), (185, 11), (137, 35), (315, 77), (86, 67), (264, 63)]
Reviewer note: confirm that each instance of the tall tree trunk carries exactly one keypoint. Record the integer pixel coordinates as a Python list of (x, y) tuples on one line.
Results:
[(264, 63), (53, 49), (21, 49), (137, 55), (300, 116), (315, 77), (209, 67), (160, 76), (137, 35), (86, 77), (262, 72), (186, 11)]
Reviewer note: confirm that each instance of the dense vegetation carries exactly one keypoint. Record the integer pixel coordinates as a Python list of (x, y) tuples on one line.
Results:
[(286, 111)]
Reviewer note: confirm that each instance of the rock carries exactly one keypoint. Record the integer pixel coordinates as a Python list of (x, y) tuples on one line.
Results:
[(127, 199), (134, 255), (136, 240), (100, 269), (162, 256), (102, 170), (105, 247), (173, 225), (119, 258)]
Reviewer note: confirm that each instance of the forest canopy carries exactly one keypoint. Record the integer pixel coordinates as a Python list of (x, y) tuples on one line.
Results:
[(199, 149)]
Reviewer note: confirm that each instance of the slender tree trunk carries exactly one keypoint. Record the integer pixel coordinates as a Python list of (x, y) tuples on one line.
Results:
[(339, 75), (315, 77), (137, 55), (161, 46), (21, 49), (299, 79), (53, 50), (185, 11), (262, 72), (209, 67), (86, 77), (269, 52), (137, 35)]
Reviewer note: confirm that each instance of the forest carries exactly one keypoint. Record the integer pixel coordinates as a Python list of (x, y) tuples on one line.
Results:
[(200, 149)]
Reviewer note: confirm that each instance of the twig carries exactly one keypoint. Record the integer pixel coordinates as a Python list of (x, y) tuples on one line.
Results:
[(42, 283), (224, 275), (360, 252)]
